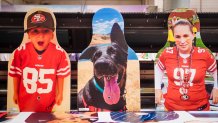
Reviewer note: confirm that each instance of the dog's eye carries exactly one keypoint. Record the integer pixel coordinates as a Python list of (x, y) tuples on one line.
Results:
[(111, 50), (96, 55)]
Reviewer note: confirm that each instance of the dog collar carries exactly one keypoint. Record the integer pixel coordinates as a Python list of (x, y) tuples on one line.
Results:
[(97, 86)]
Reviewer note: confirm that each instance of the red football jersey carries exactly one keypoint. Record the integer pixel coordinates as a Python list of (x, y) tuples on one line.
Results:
[(38, 76), (201, 61)]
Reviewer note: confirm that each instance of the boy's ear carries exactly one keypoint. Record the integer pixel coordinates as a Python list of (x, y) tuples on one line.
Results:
[(52, 35), (28, 35)]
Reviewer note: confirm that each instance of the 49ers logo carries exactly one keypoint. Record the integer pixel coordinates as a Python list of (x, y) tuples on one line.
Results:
[(38, 18)]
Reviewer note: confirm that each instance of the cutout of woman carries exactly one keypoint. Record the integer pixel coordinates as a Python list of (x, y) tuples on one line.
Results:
[(186, 66)]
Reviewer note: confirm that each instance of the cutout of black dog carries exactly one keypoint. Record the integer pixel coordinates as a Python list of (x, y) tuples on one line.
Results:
[(106, 89)]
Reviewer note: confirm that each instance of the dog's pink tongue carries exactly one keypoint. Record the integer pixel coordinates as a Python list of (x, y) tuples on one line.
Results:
[(111, 92)]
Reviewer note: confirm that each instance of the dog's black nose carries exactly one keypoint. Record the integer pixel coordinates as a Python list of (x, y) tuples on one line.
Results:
[(103, 67)]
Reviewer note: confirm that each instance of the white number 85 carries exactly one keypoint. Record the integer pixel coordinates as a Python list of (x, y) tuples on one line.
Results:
[(37, 76)]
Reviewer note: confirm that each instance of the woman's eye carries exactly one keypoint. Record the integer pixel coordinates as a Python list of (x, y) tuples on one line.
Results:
[(177, 36), (185, 36)]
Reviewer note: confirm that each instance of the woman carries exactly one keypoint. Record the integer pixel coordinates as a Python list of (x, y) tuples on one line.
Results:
[(186, 66)]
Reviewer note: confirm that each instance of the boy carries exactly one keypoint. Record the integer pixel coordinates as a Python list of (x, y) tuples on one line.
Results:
[(39, 66)]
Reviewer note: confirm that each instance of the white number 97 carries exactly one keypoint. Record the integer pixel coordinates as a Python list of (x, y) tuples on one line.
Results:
[(37, 76), (182, 72), (201, 50)]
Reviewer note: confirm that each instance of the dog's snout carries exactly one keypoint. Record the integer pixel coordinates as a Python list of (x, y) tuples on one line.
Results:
[(101, 64), (105, 67)]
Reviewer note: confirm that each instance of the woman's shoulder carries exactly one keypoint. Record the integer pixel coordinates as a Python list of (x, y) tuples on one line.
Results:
[(201, 52), (169, 52)]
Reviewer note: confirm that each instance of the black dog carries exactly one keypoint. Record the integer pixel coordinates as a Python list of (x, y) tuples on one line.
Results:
[(106, 89)]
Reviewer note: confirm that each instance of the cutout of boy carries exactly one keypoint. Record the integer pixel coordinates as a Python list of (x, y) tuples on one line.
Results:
[(39, 66)]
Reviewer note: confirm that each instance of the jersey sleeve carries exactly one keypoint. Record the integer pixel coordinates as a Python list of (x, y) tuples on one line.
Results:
[(161, 61), (158, 76), (211, 62), (64, 67), (15, 68)]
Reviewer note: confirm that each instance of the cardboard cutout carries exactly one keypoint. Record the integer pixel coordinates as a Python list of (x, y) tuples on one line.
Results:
[(176, 15), (108, 70), (65, 105)]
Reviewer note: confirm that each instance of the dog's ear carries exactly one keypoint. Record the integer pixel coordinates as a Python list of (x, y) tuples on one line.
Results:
[(118, 37), (87, 54)]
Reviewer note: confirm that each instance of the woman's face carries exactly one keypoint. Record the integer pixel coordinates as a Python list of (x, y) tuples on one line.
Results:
[(183, 37)]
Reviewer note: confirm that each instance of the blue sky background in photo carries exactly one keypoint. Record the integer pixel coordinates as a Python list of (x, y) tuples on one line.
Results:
[(104, 19)]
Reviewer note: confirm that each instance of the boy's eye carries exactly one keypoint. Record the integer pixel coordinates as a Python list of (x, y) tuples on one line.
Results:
[(34, 31), (46, 31)]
